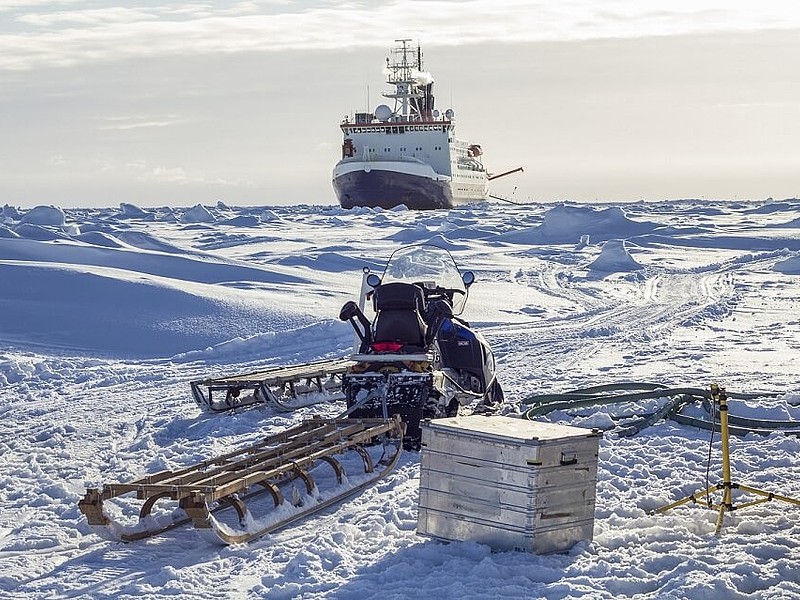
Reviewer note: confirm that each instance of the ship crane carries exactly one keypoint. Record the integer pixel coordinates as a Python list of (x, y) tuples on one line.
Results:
[(511, 172), (503, 174)]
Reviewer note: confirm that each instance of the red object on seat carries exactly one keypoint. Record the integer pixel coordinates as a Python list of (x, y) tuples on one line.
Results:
[(387, 346)]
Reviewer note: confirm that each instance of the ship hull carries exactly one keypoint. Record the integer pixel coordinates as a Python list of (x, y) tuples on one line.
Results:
[(387, 186)]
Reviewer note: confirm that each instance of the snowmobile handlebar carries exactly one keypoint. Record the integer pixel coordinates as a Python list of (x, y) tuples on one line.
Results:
[(442, 293)]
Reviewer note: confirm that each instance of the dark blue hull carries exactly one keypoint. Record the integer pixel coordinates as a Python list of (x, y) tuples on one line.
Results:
[(387, 189)]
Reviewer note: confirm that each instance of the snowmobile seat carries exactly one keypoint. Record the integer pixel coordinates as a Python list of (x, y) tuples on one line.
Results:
[(399, 308)]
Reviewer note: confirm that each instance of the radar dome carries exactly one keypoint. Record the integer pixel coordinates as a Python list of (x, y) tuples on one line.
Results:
[(383, 112), (449, 113)]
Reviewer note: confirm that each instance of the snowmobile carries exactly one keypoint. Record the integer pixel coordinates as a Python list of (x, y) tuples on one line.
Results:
[(417, 357)]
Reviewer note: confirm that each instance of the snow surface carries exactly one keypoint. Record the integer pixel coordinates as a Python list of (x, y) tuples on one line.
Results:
[(106, 315)]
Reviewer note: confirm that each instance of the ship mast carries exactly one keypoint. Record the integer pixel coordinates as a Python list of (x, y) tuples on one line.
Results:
[(413, 93)]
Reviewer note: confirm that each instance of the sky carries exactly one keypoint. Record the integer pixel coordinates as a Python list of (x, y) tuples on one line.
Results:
[(158, 103)]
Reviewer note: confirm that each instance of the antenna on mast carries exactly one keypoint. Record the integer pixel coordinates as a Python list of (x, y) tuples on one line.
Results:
[(412, 89)]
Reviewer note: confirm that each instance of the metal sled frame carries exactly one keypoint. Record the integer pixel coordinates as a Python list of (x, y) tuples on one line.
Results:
[(230, 479), (276, 386), (403, 393)]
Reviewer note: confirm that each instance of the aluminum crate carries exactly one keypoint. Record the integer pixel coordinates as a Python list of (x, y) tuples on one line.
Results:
[(512, 484)]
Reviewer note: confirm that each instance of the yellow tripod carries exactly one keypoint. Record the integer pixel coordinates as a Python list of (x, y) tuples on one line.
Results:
[(719, 397)]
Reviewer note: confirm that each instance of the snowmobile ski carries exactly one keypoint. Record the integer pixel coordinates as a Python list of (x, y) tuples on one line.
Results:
[(264, 476), (283, 388)]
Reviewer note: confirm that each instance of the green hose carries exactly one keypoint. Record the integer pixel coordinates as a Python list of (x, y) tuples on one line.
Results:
[(680, 397)]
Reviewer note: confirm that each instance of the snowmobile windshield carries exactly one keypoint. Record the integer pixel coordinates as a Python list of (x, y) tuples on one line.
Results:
[(430, 267)]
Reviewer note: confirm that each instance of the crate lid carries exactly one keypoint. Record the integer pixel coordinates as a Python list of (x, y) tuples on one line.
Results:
[(519, 430)]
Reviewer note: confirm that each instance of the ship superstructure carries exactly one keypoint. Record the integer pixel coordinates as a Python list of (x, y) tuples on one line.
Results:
[(407, 155)]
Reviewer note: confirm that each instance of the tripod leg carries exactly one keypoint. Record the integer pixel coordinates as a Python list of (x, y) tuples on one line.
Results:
[(767, 496), (692, 498), (719, 518)]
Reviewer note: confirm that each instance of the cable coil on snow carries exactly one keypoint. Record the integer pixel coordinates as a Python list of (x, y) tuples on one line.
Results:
[(680, 397)]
